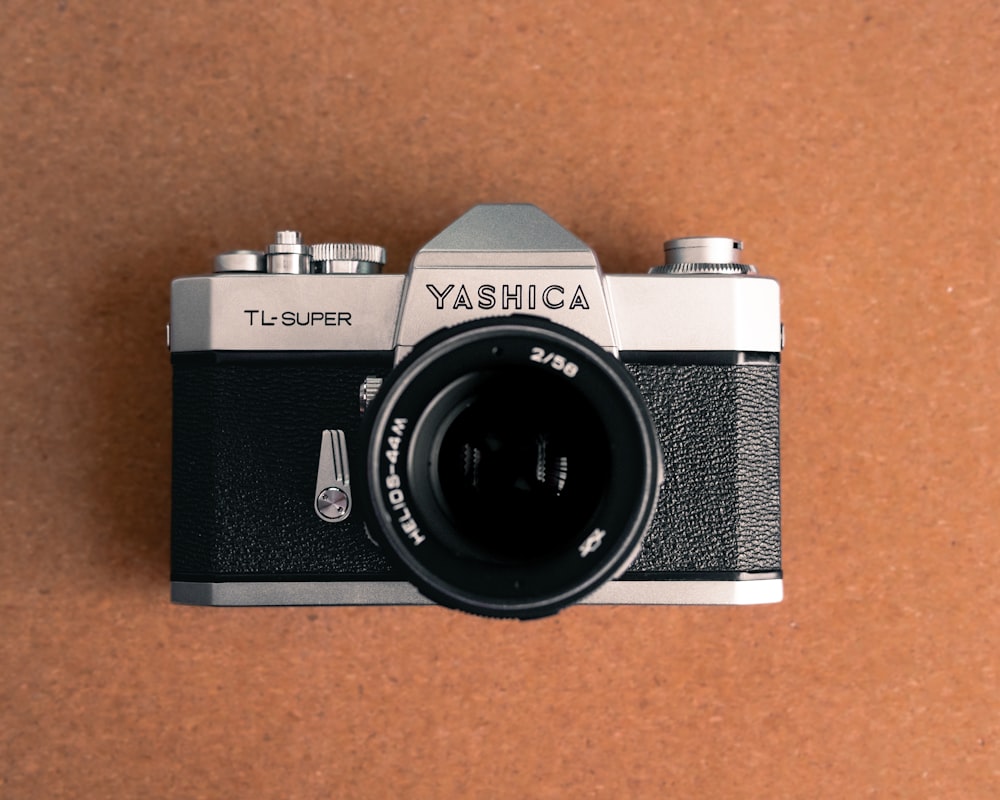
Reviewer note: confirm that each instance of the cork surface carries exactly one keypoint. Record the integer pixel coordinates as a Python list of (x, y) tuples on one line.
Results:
[(852, 145)]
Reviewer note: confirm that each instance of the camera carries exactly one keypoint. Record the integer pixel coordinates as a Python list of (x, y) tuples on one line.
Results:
[(505, 429)]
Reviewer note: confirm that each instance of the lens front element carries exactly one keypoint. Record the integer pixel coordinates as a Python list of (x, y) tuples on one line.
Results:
[(519, 465)]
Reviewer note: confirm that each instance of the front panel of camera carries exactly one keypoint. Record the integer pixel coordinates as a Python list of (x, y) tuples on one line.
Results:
[(273, 352)]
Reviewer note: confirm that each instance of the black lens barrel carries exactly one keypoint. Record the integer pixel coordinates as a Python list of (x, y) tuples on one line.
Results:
[(512, 467)]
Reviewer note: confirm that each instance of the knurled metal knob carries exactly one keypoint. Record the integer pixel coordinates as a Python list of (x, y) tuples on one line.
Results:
[(703, 255), (345, 257)]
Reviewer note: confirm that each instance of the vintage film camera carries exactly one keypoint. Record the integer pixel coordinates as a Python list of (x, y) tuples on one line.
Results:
[(531, 433)]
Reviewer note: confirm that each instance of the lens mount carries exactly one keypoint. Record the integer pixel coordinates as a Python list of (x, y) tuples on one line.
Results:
[(512, 467)]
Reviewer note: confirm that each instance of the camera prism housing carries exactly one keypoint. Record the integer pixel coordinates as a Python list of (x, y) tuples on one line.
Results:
[(504, 429)]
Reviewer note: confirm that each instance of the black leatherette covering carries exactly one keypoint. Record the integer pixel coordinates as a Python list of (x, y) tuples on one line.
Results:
[(246, 448), (247, 440), (720, 504)]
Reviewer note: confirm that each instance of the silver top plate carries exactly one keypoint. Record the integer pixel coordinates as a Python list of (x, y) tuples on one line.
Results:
[(496, 260)]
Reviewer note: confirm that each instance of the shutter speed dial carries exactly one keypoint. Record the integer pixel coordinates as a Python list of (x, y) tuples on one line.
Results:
[(361, 259), (703, 255)]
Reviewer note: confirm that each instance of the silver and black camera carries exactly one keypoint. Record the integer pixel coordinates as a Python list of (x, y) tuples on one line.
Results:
[(504, 429)]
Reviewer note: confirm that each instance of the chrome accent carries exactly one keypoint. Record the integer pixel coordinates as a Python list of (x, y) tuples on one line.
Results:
[(352, 259), (490, 252), (703, 269), (333, 504), (370, 387), (313, 593), (696, 312), (209, 312), (505, 235), (287, 255), (333, 479), (241, 261), (497, 260), (371, 593), (684, 593), (702, 249), (711, 255)]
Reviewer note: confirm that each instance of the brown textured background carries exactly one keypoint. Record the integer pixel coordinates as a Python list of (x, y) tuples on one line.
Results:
[(855, 148)]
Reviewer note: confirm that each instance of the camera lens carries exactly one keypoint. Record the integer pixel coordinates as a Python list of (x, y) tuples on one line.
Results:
[(512, 467), (519, 464)]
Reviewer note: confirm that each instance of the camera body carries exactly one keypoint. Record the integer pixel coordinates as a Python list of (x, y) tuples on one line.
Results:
[(504, 429)]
